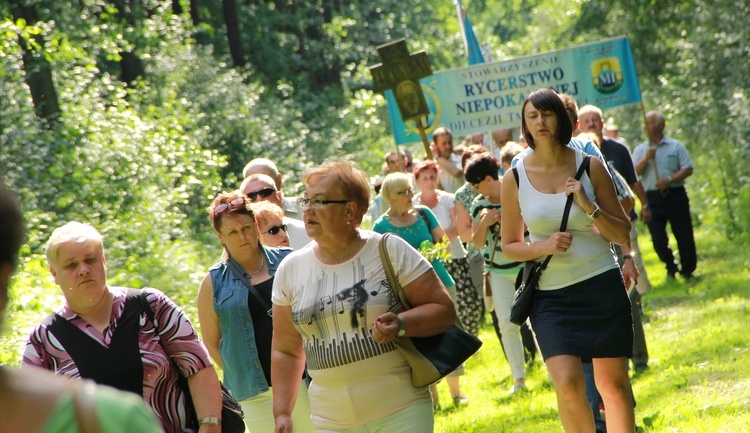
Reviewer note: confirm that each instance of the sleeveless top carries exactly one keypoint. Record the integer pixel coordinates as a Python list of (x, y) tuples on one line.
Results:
[(589, 253)]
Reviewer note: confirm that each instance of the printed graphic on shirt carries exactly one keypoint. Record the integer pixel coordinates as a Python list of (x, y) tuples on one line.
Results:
[(336, 316)]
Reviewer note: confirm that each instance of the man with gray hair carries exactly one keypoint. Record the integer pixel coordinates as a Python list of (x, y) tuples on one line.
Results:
[(268, 167), (663, 164)]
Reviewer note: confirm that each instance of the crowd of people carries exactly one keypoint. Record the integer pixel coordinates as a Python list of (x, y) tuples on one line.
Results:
[(298, 312)]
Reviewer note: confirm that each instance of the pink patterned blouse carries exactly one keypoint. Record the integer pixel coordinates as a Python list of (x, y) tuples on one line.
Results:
[(178, 341)]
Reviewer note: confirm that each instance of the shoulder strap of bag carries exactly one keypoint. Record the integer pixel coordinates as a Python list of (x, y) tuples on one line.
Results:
[(389, 272), (422, 213), (84, 405), (569, 203), (235, 268)]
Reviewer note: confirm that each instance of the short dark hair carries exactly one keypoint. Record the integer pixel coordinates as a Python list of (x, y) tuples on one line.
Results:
[(480, 166), (12, 233), (470, 151), (442, 131), (548, 100)]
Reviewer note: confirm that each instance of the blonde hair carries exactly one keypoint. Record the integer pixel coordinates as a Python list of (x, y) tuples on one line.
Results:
[(73, 231), (393, 183)]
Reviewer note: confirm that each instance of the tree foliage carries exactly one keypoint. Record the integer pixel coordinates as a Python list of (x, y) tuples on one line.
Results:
[(141, 157)]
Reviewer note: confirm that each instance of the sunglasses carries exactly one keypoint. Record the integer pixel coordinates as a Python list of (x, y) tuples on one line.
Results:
[(408, 191), (273, 231), (237, 203), (263, 193), (316, 203)]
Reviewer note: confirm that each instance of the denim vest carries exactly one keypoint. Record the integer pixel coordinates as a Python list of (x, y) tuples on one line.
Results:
[(243, 375)]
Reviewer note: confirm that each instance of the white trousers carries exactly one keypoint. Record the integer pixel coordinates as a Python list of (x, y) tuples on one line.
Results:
[(503, 289), (259, 412)]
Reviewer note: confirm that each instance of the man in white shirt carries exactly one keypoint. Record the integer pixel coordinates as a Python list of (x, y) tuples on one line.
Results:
[(268, 167), (451, 174), (262, 187)]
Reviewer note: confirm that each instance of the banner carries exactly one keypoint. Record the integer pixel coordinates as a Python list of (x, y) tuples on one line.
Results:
[(489, 96)]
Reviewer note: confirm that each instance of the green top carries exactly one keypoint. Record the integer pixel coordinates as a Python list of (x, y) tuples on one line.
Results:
[(117, 411), (414, 235)]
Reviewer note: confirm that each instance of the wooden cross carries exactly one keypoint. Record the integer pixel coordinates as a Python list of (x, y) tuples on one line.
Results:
[(400, 72)]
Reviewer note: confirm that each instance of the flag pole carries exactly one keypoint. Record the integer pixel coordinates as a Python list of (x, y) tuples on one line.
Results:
[(460, 13)]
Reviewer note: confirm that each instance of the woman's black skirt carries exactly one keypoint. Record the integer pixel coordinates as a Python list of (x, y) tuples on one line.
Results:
[(589, 319)]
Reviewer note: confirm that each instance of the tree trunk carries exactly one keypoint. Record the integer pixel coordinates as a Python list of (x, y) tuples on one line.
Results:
[(38, 71), (131, 66), (177, 7), (194, 12), (233, 32)]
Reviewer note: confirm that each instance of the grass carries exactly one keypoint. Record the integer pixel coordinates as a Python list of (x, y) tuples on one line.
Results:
[(699, 375), (698, 378)]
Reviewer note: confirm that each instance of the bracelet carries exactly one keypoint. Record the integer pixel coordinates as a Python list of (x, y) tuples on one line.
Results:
[(210, 420), (627, 256)]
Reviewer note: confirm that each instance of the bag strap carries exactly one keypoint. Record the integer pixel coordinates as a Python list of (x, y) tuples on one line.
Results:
[(423, 214), (235, 268), (494, 248), (391, 274), (569, 203), (84, 404)]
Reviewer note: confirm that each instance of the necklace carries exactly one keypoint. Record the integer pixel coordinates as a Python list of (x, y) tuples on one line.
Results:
[(262, 266), (337, 261)]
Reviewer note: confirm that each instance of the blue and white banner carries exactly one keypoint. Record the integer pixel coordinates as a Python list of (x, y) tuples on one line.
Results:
[(489, 96)]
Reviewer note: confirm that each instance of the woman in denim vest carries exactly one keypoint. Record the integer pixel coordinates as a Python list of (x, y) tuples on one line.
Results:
[(235, 323)]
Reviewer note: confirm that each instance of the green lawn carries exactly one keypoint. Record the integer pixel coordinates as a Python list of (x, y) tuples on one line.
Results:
[(699, 375)]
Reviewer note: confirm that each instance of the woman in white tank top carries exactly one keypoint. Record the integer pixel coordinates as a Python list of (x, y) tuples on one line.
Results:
[(582, 309)]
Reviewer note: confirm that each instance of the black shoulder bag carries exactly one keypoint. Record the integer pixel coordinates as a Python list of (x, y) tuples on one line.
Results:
[(430, 358), (528, 277)]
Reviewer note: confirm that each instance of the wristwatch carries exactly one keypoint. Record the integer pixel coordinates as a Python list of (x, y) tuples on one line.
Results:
[(401, 326), (596, 212), (627, 256)]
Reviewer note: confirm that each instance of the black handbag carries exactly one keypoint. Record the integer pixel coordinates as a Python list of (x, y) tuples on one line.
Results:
[(528, 277), (232, 416), (430, 358)]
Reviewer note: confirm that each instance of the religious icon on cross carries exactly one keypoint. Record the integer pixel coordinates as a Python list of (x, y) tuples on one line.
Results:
[(401, 72)]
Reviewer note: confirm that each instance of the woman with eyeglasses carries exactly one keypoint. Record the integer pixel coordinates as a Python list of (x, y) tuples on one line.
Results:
[(332, 303), (234, 308), (416, 225), (271, 227)]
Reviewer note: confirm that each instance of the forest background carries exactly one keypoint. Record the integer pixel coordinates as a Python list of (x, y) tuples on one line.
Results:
[(133, 114)]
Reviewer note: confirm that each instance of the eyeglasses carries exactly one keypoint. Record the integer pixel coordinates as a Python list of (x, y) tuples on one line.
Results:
[(407, 191), (316, 203), (232, 205), (263, 193), (273, 231)]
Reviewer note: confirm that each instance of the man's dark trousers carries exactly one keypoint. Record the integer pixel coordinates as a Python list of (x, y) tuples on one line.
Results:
[(673, 208)]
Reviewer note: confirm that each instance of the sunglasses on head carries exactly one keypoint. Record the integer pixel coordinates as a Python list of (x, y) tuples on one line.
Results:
[(237, 203), (263, 193), (273, 231)]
